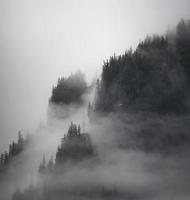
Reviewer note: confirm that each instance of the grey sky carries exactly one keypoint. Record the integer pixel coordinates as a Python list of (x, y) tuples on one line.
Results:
[(41, 40)]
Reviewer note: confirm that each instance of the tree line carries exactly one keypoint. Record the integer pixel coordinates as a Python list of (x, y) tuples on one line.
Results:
[(75, 146), (154, 77), (15, 148), (69, 90)]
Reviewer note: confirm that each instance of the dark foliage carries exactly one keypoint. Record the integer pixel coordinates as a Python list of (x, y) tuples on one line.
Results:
[(75, 193), (75, 147), (15, 148), (69, 90), (154, 78), (183, 45)]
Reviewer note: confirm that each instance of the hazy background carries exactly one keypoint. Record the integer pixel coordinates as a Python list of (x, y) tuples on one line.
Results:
[(41, 40)]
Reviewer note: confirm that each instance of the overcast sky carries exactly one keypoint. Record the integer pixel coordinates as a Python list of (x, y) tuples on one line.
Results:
[(41, 40)]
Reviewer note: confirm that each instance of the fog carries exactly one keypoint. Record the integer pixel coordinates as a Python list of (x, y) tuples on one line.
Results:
[(44, 140), (43, 40), (128, 171), (120, 166)]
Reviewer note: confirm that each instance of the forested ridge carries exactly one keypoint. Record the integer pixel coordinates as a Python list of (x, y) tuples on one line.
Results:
[(155, 77), (69, 89), (75, 147), (15, 148), (153, 80)]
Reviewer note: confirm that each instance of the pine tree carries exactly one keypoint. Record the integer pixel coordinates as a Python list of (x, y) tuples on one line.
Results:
[(42, 166), (6, 157), (79, 129), (2, 159), (50, 164)]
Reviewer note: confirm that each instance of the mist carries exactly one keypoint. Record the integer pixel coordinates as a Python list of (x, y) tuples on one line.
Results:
[(136, 155), (43, 40), (116, 171)]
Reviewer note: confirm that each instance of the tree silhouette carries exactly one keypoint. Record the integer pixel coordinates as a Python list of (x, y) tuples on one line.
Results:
[(15, 148), (69, 90), (150, 78)]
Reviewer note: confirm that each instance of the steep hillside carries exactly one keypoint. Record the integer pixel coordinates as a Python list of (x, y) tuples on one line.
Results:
[(155, 77)]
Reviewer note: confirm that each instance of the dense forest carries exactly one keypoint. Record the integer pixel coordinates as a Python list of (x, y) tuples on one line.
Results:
[(150, 87), (69, 90), (153, 80), (76, 152), (155, 77), (75, 147), (15, 148)]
